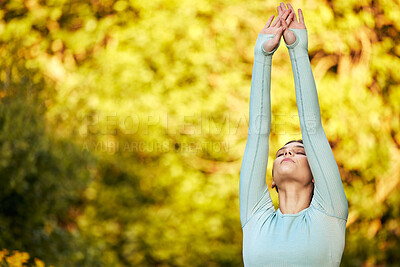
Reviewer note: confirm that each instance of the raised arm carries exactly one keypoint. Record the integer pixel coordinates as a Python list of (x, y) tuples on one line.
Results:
[(328, 190), (253, 190)]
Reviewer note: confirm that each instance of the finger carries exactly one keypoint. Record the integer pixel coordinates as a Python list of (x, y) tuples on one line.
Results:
[(286, 13), (301, 17), (280, 11), (276, 21), (278, 34), (290, 18), (291, 8), (284, 24), (282, 5), (269, 21)]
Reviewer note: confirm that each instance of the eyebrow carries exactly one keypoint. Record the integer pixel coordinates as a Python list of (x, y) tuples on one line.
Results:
[(284, 147)]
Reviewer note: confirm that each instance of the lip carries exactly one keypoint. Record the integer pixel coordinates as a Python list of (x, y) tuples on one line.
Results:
[(287, 159)]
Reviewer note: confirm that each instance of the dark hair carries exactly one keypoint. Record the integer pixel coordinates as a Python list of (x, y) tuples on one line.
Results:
[(292, 141), (298, 141)]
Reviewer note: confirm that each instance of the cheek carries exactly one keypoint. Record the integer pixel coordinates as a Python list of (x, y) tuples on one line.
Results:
[(275, 163), (304, 162)]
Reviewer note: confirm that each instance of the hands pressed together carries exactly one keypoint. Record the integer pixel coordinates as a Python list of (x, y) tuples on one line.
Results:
[(281, 26)]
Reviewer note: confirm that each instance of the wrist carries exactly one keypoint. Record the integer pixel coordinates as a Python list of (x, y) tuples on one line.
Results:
[(267, 53), (294, 44), (300, 46), (259, 50)]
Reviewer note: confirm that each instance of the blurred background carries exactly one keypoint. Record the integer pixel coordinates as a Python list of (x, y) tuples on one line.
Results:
[(123, 125)]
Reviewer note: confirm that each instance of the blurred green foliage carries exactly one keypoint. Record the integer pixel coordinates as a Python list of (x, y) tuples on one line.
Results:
[(123, 125)]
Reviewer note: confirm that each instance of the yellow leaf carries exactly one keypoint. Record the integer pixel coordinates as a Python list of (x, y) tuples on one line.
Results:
[(39, 263)]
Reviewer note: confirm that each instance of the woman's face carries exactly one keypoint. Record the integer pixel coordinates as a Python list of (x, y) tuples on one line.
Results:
[(291, 165)]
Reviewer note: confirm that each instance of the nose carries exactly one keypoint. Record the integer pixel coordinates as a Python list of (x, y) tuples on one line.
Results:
[(288, 153)]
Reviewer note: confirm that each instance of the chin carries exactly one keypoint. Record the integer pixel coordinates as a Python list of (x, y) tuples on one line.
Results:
[(292, 174), (287, 170)]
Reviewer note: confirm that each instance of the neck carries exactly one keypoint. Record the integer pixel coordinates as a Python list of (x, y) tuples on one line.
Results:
[(293, 199)]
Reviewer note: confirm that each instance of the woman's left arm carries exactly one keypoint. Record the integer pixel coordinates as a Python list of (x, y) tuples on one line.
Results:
[(329, 194)]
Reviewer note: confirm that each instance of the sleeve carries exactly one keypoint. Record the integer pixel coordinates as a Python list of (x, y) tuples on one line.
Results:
[(253, 190), (329, 194)]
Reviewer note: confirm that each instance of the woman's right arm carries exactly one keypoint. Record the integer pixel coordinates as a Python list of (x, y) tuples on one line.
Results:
[(253, 190)]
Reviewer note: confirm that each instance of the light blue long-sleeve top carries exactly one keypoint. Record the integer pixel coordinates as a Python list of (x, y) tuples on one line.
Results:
[(314, 236)]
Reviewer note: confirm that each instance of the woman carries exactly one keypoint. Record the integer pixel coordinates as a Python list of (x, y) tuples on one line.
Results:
[(308, 228)]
